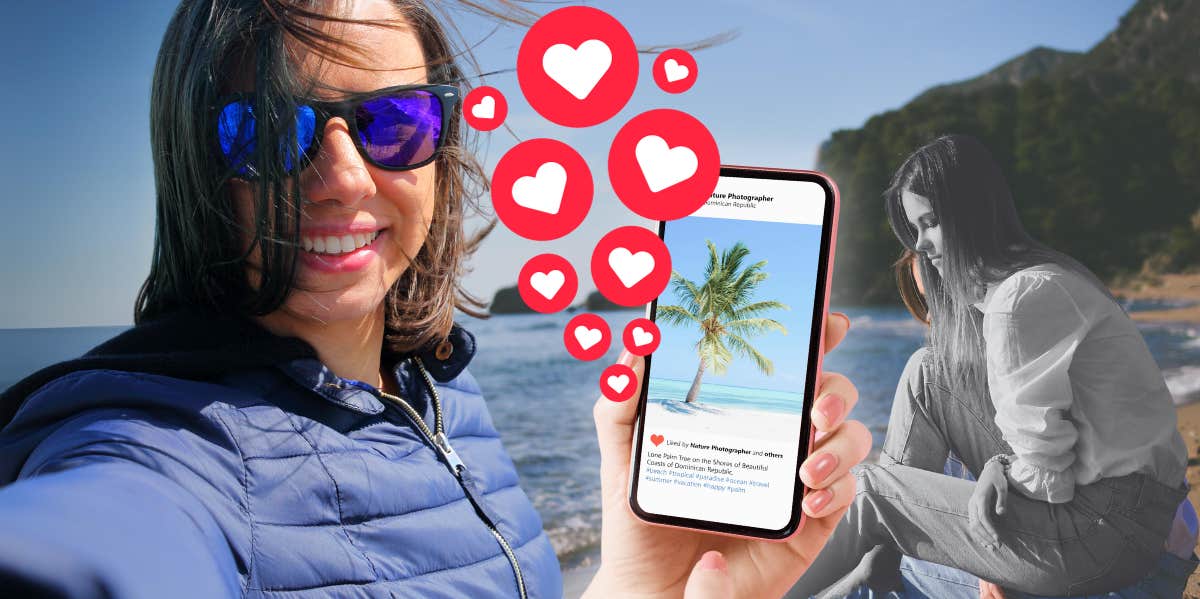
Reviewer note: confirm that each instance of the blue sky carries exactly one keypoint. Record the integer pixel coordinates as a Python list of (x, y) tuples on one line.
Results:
[(78, 192), (791, 253)]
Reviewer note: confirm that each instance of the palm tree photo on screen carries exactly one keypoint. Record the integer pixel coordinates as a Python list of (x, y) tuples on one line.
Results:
[(724, 308)]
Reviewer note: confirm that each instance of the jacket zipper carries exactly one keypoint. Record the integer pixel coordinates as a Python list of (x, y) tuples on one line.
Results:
[(441, 443)]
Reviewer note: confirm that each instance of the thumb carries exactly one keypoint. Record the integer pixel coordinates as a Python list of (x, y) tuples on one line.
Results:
[(709, 578), (614, 428)]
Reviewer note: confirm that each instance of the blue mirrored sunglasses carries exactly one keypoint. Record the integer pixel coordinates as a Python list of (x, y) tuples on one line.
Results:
[(396, 128)]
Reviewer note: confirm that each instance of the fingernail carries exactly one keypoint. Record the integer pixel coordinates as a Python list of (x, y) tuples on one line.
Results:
[(626, 358), (713, 560), (820, 468), (846, 318), (817, 436), (817, 500), (830, 407)]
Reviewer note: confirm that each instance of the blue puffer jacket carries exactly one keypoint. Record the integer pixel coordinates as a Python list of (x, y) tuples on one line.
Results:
[(200, 456)]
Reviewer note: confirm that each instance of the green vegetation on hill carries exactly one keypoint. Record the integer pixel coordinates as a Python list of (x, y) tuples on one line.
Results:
[(1102, 151)]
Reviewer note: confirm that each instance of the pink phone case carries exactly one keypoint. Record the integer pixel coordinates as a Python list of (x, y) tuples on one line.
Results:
[(837, 203)]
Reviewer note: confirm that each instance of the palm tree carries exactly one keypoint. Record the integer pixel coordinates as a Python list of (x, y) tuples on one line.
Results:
[(724, 310)]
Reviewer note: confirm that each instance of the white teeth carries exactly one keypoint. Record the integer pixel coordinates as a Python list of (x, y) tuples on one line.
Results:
[(333, 245), (337, 245)]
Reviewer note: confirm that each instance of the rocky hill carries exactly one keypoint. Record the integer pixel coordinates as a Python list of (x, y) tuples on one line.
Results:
[(1101, 149)]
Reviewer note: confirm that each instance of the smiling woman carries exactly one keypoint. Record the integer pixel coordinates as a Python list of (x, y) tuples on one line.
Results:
[(292, 412), (347, 182)]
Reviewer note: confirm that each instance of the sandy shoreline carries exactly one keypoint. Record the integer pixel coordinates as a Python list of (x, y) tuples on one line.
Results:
[(1172, 287), (723, 420), (1189, 427)]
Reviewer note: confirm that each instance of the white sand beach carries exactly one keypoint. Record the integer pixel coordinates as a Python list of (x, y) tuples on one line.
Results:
[(723, 421)]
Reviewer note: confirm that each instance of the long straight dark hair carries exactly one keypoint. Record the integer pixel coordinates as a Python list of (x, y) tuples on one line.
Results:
[(984, 242), (198, 260)]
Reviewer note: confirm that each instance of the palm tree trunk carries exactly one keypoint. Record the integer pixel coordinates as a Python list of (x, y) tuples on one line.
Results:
[(695, 389)]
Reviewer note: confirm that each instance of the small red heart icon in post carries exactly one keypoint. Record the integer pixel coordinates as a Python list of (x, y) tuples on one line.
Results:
[(656, 440)]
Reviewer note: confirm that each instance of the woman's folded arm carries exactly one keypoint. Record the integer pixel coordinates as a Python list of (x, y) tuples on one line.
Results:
[(1031, 331)]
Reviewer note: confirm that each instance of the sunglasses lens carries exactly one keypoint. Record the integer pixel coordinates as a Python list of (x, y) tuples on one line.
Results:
[(401, 129), (306, 128), (236, 134)]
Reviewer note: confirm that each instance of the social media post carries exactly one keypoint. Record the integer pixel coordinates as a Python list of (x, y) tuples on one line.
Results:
[(725, 393)]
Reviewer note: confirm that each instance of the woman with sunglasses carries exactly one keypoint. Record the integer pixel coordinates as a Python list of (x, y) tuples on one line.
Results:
[(1038, 381), (292, 416)]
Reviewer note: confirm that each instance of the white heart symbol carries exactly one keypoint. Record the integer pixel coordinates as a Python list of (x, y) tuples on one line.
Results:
[(577, 70), (547, 283), (486, 108), (629, 267), (662, 166), (618, 382), (587, 337), (542, 192), (674, 70), (641, 337)]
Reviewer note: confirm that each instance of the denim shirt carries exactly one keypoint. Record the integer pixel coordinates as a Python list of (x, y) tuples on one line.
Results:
[(1077, 393)]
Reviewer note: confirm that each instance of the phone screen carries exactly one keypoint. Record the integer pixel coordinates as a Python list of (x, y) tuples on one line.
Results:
[(724, 421)]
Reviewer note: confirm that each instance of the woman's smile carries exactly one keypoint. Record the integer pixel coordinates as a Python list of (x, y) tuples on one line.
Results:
[(347, 252)]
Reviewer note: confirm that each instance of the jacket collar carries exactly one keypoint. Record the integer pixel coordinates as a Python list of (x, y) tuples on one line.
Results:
[(443, 363)]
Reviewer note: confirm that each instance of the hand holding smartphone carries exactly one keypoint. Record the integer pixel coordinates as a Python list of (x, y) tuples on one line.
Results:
[(724, 413)]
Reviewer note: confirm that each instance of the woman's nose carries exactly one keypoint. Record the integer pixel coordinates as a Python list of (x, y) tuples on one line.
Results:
[(923, 243), (338, 172)]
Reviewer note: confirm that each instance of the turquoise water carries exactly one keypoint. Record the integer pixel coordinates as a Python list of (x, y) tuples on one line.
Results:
[(726, 396)]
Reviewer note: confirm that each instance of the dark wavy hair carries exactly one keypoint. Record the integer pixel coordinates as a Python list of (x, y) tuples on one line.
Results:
[(198, 260), (984, 243)]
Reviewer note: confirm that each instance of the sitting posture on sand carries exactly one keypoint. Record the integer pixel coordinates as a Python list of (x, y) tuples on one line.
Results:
[(1037, 379), (922, 579)]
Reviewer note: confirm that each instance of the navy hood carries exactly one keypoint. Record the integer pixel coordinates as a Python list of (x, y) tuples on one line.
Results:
[(186, 344), (195, 345)]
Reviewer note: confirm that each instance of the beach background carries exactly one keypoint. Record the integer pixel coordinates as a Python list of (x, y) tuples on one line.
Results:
[(541, 398), (1092, 107)]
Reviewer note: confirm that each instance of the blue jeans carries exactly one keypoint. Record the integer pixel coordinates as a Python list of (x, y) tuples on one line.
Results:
[(927, 580), (1110, 536), (1168, 578)]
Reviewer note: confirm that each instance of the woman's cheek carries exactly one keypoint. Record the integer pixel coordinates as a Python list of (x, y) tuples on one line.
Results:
[(415, 199)]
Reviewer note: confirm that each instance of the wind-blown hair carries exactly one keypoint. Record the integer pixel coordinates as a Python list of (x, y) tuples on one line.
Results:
[(198, 260), (983, 243)]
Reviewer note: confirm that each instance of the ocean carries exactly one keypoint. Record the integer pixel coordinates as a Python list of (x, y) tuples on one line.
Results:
[(541, 398), (712, 394)]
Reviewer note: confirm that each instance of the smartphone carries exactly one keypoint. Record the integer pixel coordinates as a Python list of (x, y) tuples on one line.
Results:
[(724, 411)]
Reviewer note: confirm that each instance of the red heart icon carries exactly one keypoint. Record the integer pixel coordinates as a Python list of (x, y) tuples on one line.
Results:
[(656, 439)]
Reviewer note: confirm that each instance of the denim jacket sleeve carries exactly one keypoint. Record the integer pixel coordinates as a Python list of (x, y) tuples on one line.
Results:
[(1031, 330)]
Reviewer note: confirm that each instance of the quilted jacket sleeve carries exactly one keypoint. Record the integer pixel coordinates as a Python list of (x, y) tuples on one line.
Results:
[(117, 487), (99, 527)]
